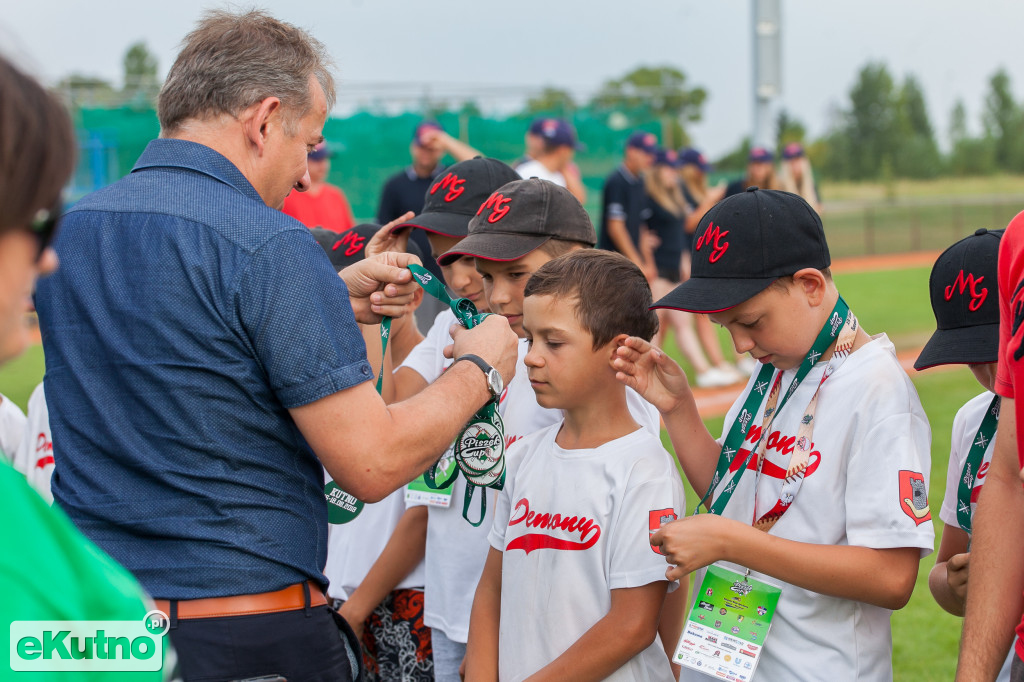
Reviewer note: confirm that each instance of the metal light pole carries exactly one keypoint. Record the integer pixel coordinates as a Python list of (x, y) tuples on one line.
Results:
[(767, 56)]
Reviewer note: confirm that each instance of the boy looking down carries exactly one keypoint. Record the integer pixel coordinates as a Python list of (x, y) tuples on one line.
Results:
[(571, 587), (818, 481)]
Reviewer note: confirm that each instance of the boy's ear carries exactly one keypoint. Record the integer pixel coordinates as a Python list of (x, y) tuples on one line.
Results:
[(812, 283), (615, 343)]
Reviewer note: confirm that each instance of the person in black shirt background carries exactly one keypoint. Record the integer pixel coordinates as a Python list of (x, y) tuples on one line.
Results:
[(624, 204)]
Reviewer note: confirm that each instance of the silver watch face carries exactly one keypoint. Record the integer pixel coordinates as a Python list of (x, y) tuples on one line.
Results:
[(495, 383)]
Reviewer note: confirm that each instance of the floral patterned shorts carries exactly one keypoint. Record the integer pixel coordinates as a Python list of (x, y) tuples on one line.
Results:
[(396, 643)]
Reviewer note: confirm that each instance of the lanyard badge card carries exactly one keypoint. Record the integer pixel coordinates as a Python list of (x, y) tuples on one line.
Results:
[(728, 624), (479, 450), (722, 614)]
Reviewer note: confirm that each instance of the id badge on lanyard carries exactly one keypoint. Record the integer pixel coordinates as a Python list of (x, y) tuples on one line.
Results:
[(728, 624), (732, 613)]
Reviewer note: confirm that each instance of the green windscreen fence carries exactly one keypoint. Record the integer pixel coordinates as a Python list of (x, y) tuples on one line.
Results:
[(368, 147)]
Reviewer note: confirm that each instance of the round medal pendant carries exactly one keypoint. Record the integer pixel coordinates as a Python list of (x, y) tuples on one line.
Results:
[(488, 478), (341, 507), (480, 448)]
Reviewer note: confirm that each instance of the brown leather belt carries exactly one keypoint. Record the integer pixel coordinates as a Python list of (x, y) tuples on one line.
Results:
[(290, 598)]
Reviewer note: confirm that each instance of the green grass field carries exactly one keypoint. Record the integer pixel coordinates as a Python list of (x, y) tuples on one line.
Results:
[(925, 637)]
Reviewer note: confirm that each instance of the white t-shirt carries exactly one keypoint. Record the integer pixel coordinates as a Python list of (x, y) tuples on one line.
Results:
[(34, 457), (353, 547), (574, 525), (12, 428), (965, 428), (865, 485), (535, 169), (456, 550)]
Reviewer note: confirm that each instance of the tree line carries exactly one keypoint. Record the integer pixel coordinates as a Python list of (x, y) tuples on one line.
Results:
[(884, 131), (881, 131)]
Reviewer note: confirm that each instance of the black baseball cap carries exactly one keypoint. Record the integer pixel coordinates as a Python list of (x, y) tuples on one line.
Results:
[(456, 193), (743, 244), (965, 300), (348, 247), (521, 216)]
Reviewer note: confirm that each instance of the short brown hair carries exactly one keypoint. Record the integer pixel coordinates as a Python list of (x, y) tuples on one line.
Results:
[(560, 247), (231, 61), (37, 148), (611, 294)]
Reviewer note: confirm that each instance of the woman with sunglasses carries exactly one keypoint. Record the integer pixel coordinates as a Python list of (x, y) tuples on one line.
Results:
[(48, 570)]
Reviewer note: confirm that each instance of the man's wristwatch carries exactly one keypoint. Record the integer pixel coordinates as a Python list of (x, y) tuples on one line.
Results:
[(495, 384)]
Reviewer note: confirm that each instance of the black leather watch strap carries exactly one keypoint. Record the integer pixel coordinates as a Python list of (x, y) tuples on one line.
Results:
[(476, 360)]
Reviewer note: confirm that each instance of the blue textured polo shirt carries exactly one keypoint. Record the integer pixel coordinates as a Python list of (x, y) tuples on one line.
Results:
[(185, 319)]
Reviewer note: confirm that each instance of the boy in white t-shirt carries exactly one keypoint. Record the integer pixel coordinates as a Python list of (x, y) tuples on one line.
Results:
[(34, 456), (572, 587), (375, 573), (966, 307), (450, 544), (554, 223), (827, 495)]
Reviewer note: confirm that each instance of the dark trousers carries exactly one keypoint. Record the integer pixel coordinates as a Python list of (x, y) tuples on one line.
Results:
[(312, 644), (1017, 670)]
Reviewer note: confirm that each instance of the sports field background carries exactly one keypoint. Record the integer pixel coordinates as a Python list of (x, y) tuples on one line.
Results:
[(895, 301)]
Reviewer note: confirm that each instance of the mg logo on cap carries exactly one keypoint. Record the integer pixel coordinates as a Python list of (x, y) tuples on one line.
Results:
[(963, 284), (713, 236), (453, 183), (499, 205)]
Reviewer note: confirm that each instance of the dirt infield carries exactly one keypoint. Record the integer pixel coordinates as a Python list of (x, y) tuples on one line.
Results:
[(888, 261)]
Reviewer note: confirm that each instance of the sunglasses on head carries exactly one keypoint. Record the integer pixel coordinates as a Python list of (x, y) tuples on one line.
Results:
[(44, 225)]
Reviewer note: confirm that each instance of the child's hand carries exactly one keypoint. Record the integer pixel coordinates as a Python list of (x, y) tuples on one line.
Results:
[(353, 620), (695, 542), (956, 574), (385, 239), (651, 373)]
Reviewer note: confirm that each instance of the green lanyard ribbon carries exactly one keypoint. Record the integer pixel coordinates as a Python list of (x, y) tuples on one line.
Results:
[(975, 455), (479, 449), (738, 432)]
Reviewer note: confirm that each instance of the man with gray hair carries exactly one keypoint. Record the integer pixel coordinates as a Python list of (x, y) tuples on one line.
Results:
[(203, 360)]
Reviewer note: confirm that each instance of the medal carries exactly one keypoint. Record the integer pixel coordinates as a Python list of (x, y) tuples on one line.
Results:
[(479, 450)]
